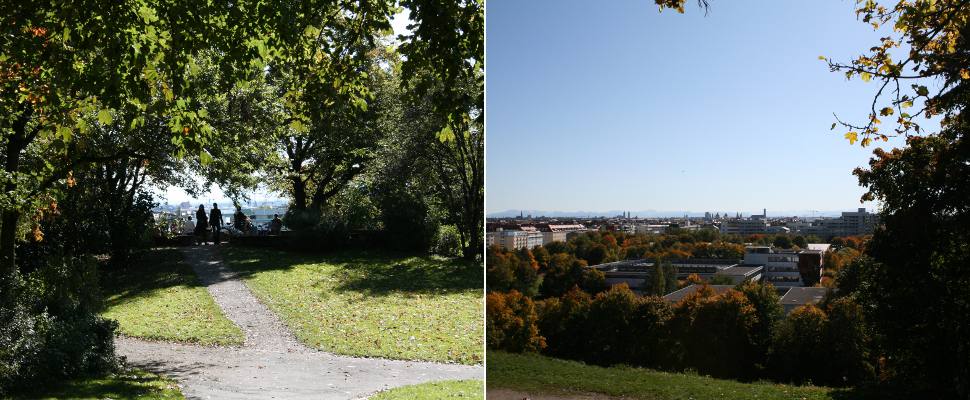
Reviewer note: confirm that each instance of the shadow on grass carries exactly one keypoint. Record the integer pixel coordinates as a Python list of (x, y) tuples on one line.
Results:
[(152, 270), (125, 385), (372, 273)]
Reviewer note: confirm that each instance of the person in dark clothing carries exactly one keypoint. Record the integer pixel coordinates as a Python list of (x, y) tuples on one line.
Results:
[(239, 220), (215, 221), (201, 225), (275, 225)]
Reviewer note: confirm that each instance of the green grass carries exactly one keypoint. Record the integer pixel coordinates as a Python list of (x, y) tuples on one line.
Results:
[(132, 384), (471, 389), (372, 304), (160, 298), (538, 374)]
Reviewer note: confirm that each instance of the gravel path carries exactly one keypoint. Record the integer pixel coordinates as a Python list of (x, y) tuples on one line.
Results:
[(272, 364)]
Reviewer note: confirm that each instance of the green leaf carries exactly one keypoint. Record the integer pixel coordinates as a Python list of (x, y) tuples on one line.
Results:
[(833, 126), (64, 132), (298, 126), (104, 116), (204, 157), (922, 91), (446, 134)]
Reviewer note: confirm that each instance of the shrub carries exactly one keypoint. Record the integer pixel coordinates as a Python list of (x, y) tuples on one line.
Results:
[(511, 323), (611, 336), (798, 350), (448, 241), (715, 333), (49, 329), (563, 322)]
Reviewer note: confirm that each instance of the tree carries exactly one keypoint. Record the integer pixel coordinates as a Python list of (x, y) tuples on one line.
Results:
[(63, 60), (563, 322), (782, 241), (507, 271), (912, 290), (656, 283), (445, 67), (511, 323), (798, 350), (718, 334), (848, 339), (769, 311)]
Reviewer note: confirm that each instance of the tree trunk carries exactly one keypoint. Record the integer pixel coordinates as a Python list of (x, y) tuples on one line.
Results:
[(299, 194)]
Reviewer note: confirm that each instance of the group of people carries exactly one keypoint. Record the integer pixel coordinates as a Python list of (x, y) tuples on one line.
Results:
[(203, 224)]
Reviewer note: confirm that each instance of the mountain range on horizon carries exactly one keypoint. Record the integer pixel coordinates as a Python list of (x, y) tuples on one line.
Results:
[(658, 214)]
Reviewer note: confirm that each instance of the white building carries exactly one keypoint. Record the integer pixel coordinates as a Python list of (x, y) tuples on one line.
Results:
[(780, 267), (744, 226)]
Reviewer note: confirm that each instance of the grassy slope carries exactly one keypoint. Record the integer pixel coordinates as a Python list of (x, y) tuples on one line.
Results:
[(471, 389), (161, 298), (129, 385), (372, 304), (538, 374)]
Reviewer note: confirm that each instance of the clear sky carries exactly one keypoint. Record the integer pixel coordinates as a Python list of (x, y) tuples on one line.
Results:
[(613, 106)]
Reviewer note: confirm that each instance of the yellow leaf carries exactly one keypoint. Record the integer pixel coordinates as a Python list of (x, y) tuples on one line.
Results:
[(964, 74), (852, 137), (866, 141), (886, 111), (865, 76)]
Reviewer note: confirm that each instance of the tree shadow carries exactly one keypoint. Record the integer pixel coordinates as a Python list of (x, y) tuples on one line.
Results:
[(152, 270), (128, 384)]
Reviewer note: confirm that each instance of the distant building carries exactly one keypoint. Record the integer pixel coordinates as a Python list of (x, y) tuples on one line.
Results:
[(850, 223), (744, 227), (790, 298), (799, 296), (784, 267), (636, 272)]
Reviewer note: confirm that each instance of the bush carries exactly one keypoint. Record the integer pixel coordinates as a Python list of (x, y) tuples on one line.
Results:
[(408, 222), (563, 322), (511, 323), (448, 241), (798, 350), (716, 333), (49, 329)]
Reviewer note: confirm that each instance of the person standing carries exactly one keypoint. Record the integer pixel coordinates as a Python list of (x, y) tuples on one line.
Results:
[(202, 223), (215, 221)]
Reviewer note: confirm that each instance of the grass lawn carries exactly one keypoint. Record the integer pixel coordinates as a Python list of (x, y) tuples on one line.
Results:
[(538, 374), (132, 384), (471, 389), (371, 304), (161, 298)]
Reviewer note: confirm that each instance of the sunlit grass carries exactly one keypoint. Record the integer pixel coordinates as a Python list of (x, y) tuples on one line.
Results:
[(538, 374), (372, 304), (160, 298), (470, 389)]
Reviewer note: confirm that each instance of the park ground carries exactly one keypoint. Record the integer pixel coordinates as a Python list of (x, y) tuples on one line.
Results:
[(356, 303), (518, 376)]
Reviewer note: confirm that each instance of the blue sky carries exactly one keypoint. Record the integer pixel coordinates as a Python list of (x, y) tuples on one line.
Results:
[(614, 106)]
